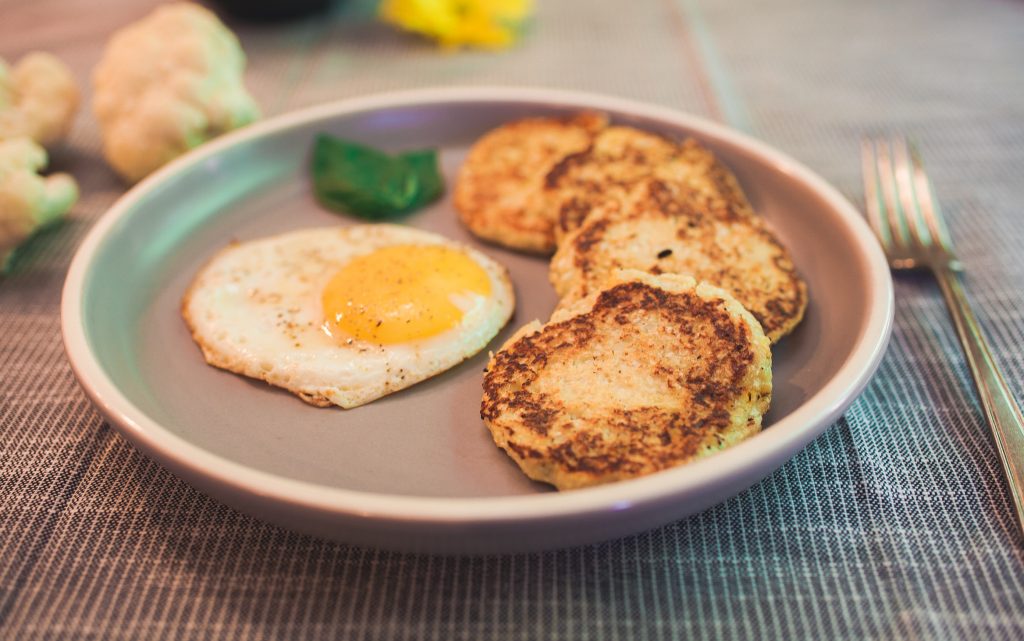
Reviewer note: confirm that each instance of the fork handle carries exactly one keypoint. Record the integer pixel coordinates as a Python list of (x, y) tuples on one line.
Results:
[(1001, 411)]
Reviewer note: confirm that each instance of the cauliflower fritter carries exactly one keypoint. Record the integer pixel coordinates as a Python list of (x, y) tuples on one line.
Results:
[(650, 373), (740, 255), (612, 176), (498, 193)]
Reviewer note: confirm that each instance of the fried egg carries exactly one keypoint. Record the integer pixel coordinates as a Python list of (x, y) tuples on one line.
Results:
[(344, 316)]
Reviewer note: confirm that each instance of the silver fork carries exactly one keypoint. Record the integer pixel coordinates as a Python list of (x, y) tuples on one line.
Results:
[(904, 214)]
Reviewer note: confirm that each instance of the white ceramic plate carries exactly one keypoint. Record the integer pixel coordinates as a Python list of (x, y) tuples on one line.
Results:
[(417, 470)]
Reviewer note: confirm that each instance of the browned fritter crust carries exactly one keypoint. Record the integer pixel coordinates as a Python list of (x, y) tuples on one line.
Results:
[(498, 193), (649, 374), (612, 177), (738, 254)]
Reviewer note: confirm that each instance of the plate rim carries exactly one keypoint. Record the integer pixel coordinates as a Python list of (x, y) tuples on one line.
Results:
[(769, 447)]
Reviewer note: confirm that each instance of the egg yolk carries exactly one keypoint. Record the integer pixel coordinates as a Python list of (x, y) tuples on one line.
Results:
[(402, 293)]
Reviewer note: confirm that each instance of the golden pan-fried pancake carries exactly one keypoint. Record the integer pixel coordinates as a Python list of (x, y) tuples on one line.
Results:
[(650, 373), (498, 192), (739, 255), (611, 176)]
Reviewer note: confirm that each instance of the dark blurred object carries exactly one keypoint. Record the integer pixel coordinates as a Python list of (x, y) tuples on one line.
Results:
[(272, 10)]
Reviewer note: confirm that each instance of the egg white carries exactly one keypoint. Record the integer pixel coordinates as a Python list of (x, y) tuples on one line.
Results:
[(255, 309)]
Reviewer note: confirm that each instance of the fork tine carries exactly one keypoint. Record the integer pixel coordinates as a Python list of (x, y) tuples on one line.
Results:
[(872, 195), (927, 203), (891, 202), (905, 190)]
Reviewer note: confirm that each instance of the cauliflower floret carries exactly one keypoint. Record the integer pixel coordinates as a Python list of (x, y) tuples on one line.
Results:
[(38, 99), (28, 201), (166, 84)]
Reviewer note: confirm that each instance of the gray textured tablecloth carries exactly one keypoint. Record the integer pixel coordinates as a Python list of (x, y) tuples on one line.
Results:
[(894, 524)]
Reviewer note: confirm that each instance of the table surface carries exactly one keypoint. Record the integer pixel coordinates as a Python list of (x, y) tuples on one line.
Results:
[(895, 523)]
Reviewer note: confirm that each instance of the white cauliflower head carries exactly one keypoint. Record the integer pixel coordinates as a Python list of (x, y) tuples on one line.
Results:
[(38, 99), (166, 84), (28, 201)]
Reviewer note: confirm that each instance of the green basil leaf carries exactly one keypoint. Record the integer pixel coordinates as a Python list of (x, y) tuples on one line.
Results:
[(354, 178), (357, 179), (431, 183)]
